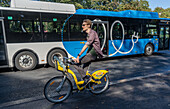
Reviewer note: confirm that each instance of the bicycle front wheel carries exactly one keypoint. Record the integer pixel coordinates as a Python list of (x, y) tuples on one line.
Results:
[(96, 88), (57, 89)]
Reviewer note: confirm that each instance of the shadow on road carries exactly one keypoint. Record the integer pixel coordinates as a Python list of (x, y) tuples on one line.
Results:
[(152, 93)]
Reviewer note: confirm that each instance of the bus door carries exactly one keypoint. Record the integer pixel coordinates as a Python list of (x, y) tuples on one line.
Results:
[(3, 54), (164, 38), (102, 29)]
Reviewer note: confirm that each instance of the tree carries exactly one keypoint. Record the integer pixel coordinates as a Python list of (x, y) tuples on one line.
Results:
[(5, 3), (109, 5), (163, 13), (140, 5)]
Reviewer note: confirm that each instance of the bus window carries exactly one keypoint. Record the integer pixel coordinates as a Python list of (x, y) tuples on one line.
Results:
[(37, 28), (76, 27), (26, 26), (14, 26), (149, 28), (152, 30), (52, 27), (24, 31), (48, 27), (22, 26), (134, 27), (117, 32)]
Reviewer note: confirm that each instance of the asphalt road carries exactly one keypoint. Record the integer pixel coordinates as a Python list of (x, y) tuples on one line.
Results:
[(136, 82)]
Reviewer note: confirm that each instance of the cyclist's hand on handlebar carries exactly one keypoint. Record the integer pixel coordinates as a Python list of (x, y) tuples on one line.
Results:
[(77, 59)]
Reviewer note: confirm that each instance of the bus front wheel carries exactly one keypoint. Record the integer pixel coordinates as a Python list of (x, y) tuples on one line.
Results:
[(57, 52), (148, 49), (25, 61)]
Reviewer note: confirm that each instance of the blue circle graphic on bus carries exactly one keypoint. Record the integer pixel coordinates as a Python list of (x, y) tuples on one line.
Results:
[(68, 45), (64, 26)]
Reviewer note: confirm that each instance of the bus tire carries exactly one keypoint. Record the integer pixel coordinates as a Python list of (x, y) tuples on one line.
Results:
[(148, 49), (25, 61), (57, 52)]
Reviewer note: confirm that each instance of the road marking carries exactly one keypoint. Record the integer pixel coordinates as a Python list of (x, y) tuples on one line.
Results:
[(139, 78), (21, 101)]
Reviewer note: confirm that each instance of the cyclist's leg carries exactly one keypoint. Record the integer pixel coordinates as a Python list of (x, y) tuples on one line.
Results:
[(84, 60), (86, 66), (79, 69)]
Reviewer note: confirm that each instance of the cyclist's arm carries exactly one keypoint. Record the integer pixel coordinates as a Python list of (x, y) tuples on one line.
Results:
[(83, 49)]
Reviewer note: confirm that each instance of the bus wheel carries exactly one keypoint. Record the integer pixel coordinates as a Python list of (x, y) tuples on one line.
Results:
[(57, 52), (148, 50), (25, 61)]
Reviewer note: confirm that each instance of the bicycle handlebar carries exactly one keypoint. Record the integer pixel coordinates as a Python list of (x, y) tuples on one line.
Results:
[(65, 60)]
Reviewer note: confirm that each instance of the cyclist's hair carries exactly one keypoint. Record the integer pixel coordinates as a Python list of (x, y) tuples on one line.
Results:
[(88, 21)]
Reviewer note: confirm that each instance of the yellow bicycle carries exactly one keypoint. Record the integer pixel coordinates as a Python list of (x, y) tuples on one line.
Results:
[(59, 88)]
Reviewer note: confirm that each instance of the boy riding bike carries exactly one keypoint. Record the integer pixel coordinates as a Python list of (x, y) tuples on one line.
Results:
[(94, 50), (58, 88)]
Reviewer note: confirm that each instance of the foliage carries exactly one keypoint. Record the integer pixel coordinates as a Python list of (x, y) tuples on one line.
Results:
[(163, 13), (109, 5), (5, 3)]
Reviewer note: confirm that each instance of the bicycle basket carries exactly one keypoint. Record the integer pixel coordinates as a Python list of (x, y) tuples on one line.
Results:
[(60, 65)]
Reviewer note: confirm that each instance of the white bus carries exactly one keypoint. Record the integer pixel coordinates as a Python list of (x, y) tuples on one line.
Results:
[(31, 33)]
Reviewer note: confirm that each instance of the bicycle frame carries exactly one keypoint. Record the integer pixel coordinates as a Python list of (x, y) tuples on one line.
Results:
[(58, 88), (73, 74), (97, 75)]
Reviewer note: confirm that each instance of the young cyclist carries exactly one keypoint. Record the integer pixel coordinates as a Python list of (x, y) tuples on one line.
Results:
[(94, 50)]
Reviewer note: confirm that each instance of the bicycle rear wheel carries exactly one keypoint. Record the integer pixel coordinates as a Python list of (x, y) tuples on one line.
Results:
[(99, 88), (57, 89)]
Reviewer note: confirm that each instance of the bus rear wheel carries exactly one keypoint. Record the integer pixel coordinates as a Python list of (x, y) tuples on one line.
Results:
[(57, 52), (148, 49), (25, 61)]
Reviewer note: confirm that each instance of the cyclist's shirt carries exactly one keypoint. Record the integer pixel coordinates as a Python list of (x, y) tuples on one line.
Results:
[(91, 50), (93, 41)]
